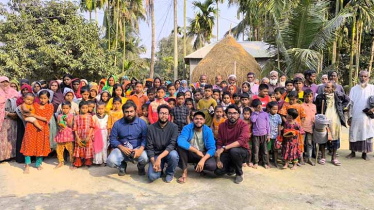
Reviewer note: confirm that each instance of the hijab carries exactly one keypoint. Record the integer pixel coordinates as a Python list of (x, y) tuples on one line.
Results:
[(107, 87), (102, 81), (76, 93), (58, 97), (33, 88), (20, 98), (68, 90), (183, 89), (5, 94)]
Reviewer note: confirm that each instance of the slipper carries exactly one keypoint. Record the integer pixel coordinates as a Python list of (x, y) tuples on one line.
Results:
[(336, 162), (182, 180), (322, 161)]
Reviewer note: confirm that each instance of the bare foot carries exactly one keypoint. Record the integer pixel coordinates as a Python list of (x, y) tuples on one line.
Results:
[(266, 166), (285, 166), (59, 165), (244, 165), (294, 167), (27, 169), (40, 168), (255, 166), (250, 165), (73, 168)]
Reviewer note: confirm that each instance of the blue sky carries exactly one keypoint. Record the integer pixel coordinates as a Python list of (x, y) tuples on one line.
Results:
[(164, 18)]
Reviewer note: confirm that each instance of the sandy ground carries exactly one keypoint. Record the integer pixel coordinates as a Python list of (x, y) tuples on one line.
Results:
[(321, 187)]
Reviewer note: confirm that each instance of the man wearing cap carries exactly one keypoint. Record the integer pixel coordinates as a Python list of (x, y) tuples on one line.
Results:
[(196, 145), (232, 144)]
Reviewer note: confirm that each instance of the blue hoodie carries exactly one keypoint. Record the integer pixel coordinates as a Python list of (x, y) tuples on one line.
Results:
[(186, 135)]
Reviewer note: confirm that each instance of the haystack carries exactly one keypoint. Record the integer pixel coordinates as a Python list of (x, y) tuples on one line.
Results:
[(227, 57)]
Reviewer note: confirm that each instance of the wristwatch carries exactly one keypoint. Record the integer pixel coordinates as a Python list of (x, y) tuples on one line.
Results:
[(224, 148)]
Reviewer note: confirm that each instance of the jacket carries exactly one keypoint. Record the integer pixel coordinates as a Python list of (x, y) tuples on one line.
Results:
[(186, 136)]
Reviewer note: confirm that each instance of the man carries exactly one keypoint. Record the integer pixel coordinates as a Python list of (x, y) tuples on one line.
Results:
[(283, 80), (161, 140), (273, 82), (232, 81), (196, 144), (361, 130), (310, 81), (139, 98), (232, 144), (324, 79), (251, 78), (128, 138), (332, 76), (218, 81), (202, 81)]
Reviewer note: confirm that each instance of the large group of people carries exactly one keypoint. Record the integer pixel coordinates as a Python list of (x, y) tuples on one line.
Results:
[(220, 128)]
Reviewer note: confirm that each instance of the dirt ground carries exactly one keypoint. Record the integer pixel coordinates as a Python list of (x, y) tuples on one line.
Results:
[(349, 186)]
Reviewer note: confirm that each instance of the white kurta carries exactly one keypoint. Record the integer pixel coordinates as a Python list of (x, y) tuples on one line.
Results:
[(362, 127)]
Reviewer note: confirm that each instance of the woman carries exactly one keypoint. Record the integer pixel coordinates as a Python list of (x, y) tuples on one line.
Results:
[(94, 91), (110, 83), (157, 82), (58, 96), (36, 88), (8, 123), (76, 87), (183, 86), (14, 84), (177, 84), (102, 84), (66, 82), (36, 142)]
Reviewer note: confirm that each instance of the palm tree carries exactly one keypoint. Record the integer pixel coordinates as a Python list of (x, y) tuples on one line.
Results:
[(87, 5), (175, 41), (217, 16), (150, 8), (202, 25)]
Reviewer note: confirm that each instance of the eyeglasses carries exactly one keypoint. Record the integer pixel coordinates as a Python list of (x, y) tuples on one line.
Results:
[(163, 113)]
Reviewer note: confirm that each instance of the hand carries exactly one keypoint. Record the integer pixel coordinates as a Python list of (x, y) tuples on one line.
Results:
[(157, 165), (137, 154), (219, 152), (125, 150), (219, 165), (200, 154), (200, 166), (349, 121), (78, 141)]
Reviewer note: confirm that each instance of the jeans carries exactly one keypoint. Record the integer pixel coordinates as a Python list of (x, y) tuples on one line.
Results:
[(117, 156), (171, 159)]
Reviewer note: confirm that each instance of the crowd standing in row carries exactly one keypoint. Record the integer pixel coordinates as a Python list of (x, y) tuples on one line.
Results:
[(219, 127)]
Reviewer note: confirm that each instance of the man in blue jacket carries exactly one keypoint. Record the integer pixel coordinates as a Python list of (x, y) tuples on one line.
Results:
[(196, 145)]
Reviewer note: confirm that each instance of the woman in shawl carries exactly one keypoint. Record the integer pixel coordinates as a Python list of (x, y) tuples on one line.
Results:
[(58, 96), (94, 91), (8, 123), (183, 87), (110, 83), (24, 82), (66, 82), (14, 84), (76, 86), (69, 96), (36, 87)]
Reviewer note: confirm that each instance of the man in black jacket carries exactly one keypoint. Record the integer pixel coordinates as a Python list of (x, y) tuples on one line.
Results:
[(161, 141)]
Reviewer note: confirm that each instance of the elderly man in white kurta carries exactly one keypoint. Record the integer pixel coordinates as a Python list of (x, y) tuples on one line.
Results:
[(361, 131)]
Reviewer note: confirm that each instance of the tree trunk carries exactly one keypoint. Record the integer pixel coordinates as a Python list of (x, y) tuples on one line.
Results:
[(116, 41), (334, 45), (96, 16), (217, 2), (371, 57), (124, 45), (152, 68), (358, 49), (184, 36), (175, 41), (108, 24), (351, 69)]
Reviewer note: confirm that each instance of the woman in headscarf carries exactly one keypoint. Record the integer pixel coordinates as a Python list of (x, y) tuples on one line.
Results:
[(183, 86), (94, 91), (36, 87), (58, 96), (24, 89), (24, 82), (101, 84), (127, 88), (14, 84), (8, 123), (76, 86), (110, 83)]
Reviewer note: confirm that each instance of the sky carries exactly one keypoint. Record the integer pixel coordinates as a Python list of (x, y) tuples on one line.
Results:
[(164, 18)]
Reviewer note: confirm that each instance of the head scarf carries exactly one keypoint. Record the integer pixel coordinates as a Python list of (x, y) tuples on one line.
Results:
[(24, 81), (50, 94), (5, 94), (183, 89), (128, 90), (85, 81), (68, 90), (76, 93), (107, 86), (33, 87), (16, 83), (58, 97), (20, 99), (94, 86), (102, 81)]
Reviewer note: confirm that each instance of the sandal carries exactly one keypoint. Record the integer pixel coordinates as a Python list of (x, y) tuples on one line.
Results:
[(182, 180), (322, 161), (336, 162)]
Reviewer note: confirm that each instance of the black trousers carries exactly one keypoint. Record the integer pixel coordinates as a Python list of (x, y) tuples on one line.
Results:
[(186, 157), (234, 158), (260, 148)]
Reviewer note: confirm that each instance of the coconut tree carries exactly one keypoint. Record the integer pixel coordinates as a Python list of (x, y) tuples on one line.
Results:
[(217, 16), (150, 8), (202, 25)]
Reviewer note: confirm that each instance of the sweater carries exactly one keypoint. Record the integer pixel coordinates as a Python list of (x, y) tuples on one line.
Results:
[(186, 136), (161, 139), (228, 134)]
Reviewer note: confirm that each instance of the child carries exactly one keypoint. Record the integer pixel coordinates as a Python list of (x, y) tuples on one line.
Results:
[(192, 112), (180, 112), (275, 128), (118, 92), (145, 113), (101, 133), (171, 102), (236, 98), (261, 133), (85, 93), (226, 100), (272, 97), (83, 130), (263, 95), (65, 136), (246, 88), (232, 91), (151, 92), (189, 103), (197, 96), (217, 95), (28, 110), (279, 94), (298, 83), (207, 104), (310, 110), (188, 94), (171, 92), (116, 113), (91, 107), (223, 85), (218, 119), (245, 102), (104, 97), (290, 144), (247, 119), (301, 116), (69, 96), (152, 110)]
